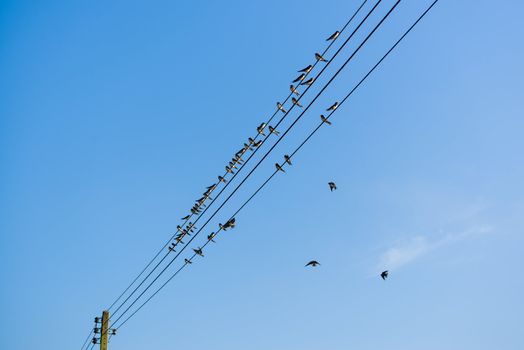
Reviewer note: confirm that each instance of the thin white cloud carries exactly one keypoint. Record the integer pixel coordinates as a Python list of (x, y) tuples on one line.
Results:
[(412, 249)]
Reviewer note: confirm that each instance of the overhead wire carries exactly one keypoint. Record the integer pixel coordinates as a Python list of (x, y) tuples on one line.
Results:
[(274, 145), (226, 184), (251, 155), (292, 154)]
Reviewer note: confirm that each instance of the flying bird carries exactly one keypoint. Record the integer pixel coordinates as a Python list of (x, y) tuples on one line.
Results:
[(295, 102), (384, 275), (308, 82), (279, 168), (279, 106), (319, 57), (333, 107), (293, 90), (287, 159), (313, 263), (300, 78), (306, 70), (273, 130), (198, 251), (332, 186), (324, 120), (333, 36)]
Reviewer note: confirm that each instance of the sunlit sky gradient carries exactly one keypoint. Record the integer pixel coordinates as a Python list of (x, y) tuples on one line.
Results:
[(115, 115)]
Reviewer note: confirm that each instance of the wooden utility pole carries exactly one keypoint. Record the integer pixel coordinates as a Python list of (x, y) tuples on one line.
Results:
[(104, 331)]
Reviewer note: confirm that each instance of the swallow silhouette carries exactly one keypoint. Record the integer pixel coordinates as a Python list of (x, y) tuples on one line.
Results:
[(333, 107), (324, 119), (333, 36)]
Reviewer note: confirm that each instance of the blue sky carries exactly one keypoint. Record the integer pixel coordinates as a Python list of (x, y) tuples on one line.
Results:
[(114, 116)]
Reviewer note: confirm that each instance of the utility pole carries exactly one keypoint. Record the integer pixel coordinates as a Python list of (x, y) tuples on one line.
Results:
[(104, 330)]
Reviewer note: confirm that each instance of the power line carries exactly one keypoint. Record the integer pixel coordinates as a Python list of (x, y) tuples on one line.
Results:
[(274, 145), (294, 152), (226, 185), (87, 339), (251, 155)]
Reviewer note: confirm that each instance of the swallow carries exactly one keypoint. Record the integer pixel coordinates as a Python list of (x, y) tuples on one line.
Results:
[(287, 159), (211, 236), (230, 223), (190, 227), (279, 106), (188, 261), (384, 275), (279, 168), (251, 140), (198, 251), (324, 120), (333, 36), (232, 165), (319, 57), (179, 229), (172, 247), (333, 107), (258, 143), (246, 147), (306, 70), (295, 102), (186, 217), (308, 82), (212, 187), (260, 129), (221, 179), (313, 263), (299, 78), (332, 186), (273, 130), (293, 90), (229, 170)]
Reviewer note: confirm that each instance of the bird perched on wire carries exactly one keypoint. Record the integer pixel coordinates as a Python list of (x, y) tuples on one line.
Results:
[(230, 224), (287, 159), (295, 102), (273, 130), (293, 90), (279, 106), (186, 217), (324, 120), (198, 251), (279, 168), (258, 143), (306, 70), (308, 82), (312, 263), (299, 78), (211, 236), (332, 186), (229, 170), (188, 261), (221, 179), (384, 275), (172, 247), (319, 57), (333, 107), (260, 129), (333, 36)]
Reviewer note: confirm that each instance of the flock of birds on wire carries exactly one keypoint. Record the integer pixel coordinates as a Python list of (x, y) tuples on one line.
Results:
[(237, 162), (237, 159)]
